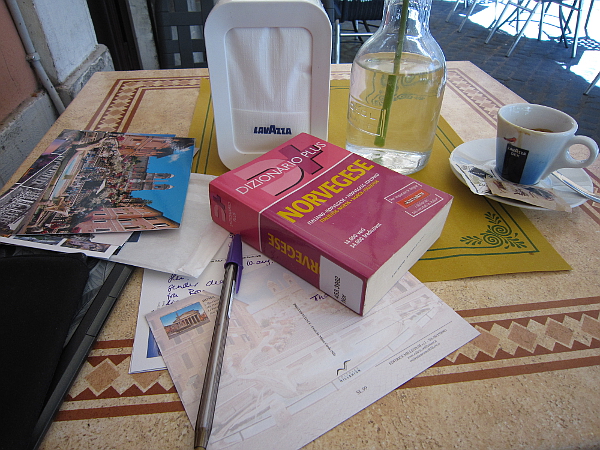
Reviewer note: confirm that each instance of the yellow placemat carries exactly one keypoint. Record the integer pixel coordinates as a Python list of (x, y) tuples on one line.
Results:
[(481, 236)]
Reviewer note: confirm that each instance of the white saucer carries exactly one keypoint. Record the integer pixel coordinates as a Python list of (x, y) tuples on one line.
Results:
[(482, 152)]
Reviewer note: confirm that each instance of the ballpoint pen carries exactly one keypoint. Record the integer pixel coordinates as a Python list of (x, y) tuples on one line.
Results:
[(231, 284)]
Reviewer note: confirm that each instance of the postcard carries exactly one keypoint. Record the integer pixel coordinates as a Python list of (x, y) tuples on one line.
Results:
[(160, 289), (101, 246), (98, 182), (297, 363)]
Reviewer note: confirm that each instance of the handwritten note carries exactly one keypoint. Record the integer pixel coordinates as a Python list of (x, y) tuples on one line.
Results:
[(178, 286)]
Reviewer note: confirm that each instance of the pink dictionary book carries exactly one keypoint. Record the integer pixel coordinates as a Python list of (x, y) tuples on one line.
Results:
[(343, 223)]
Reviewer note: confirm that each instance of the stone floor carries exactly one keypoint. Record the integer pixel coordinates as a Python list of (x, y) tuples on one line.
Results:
[(539, 71)]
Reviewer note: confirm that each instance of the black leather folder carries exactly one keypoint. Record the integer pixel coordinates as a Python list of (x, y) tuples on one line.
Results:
[(53, 306)]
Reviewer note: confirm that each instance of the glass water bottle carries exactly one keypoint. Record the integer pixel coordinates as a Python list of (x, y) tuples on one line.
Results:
[(396, 89)]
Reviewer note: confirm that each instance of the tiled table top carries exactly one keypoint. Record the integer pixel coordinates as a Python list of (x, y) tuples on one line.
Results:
[(529, 381)]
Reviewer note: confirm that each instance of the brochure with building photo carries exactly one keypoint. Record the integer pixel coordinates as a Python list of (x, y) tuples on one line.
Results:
[(98, 182)]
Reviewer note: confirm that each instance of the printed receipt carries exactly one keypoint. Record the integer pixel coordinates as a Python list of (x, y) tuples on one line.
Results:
[(297, 362)]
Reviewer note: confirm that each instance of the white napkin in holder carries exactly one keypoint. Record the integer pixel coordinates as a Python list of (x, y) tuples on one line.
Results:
[(269, 65)]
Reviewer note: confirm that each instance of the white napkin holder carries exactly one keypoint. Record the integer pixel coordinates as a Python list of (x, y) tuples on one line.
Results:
[(269, 63)]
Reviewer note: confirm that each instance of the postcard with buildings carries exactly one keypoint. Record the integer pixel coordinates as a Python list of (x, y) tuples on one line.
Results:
[(97, 182)]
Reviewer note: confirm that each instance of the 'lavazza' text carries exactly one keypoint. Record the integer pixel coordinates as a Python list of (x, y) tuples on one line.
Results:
[(272, 129)]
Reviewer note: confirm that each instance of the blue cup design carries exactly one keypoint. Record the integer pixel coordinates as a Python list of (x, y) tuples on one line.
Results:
[(534, 140)]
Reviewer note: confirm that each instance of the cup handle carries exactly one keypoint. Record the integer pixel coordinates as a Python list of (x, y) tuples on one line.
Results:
[(568, 161)]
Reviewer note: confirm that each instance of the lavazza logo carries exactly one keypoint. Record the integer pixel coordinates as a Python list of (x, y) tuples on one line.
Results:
[(272, 129)]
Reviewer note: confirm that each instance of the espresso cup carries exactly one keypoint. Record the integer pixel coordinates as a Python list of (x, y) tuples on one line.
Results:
[(534, 140)]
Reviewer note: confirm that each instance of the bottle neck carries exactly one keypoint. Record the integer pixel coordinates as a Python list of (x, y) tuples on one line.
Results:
[(417, 21), (414, 37)]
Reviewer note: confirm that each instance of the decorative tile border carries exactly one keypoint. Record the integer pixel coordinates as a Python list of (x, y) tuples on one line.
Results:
[(515, 340), (122, 101)]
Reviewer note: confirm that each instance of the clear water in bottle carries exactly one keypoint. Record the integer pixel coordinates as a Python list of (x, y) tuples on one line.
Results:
[(413, 115)]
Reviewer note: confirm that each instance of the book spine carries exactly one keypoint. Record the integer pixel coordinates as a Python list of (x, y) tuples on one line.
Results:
[(312, 260)]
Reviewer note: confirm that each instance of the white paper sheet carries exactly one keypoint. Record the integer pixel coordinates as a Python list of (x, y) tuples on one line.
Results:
[(298, 363)]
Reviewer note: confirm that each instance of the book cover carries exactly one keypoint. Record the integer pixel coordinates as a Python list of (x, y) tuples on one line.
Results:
[(98, 182), (346, 225)]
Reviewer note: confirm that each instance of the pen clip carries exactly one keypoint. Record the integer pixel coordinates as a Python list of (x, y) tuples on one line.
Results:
[(235, 257)]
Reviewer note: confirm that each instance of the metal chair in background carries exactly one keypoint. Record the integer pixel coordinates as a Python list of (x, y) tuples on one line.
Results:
[(575, 7), (529, 8), (469, 9), (354, 11), (592, 84), (179, 28)]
